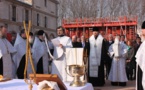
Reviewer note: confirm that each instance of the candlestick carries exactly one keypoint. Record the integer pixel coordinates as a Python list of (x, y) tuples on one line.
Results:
[(28, 56)]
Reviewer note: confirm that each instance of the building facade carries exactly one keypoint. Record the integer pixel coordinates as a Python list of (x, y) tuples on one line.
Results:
[(42, 13)]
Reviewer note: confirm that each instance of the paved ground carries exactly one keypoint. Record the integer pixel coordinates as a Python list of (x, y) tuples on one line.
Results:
[(130, 86)]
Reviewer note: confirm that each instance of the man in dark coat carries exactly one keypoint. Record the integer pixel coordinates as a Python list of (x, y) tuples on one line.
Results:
[(75, 43), (108, 61)]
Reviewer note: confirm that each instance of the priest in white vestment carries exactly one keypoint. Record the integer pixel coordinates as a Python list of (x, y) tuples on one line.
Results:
[(97, 55), (140, 59), (61, 43), (118, 52), (6, 50), (40, 54), (19, 57)]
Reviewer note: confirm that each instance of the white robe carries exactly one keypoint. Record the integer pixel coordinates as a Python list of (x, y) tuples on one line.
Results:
[(39, 50), (59, 65), (20, 46), (118, 72), (140, 59), (5, 50), (95, 55)]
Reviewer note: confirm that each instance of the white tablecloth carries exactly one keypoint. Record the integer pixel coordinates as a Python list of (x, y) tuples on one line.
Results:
[(17, 84)]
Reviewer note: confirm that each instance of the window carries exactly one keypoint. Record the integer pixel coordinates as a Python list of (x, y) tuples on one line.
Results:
[(13, 13), (45, 22), (26, 16), (37, 19), (45, 3)]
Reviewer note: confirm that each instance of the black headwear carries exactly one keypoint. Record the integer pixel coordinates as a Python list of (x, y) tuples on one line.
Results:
[(31, 34), (40, 32), (96, 29), (143, 25)]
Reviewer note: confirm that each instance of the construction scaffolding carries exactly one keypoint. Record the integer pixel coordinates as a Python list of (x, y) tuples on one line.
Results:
[(125, 25)]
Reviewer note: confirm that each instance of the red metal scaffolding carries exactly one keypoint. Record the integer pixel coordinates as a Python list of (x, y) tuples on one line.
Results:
[(119, 25)]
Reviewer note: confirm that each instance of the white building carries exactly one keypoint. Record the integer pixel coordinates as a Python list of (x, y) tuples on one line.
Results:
[(42, 13)]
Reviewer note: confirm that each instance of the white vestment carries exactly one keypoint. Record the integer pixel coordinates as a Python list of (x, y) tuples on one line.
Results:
[(39, 50), (140, 59), (20, 46), (95, 55), (59, 65), (118, 71), (5, 50)]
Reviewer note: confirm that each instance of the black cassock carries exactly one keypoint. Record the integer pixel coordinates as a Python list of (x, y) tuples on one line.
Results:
[(77, 45), (100, 80), (20, 70), (139, 79), (1, 66), (40, 66)]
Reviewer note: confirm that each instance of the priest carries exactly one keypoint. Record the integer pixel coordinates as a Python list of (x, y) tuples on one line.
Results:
[(140, 59), (59, 64), (97, 55), (40, 54), (19, 57), (6, 62), (118, 52)]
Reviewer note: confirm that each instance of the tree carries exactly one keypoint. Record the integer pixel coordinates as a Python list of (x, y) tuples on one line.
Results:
[(101, 8)]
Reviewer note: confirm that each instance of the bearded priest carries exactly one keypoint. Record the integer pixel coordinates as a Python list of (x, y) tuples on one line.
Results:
[(97, 55)]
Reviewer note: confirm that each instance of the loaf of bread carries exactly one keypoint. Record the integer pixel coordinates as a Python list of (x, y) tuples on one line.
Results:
[(1, 77)]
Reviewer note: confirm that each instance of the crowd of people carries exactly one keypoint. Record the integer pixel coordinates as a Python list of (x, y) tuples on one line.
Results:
[(126, 66), (111, 57)]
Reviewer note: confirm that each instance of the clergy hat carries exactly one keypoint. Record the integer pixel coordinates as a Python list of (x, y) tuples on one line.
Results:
[(143, 25), (95, 29), (31, 34), (40, 32)]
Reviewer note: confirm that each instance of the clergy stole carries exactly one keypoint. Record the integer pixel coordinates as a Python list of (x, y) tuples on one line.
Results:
[(39, 51), (5, 49), (71, 55), (95, 55), (140, 59), (20, 46)]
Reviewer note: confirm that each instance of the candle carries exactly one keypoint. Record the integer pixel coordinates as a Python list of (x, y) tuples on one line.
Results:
[(76, 55)]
